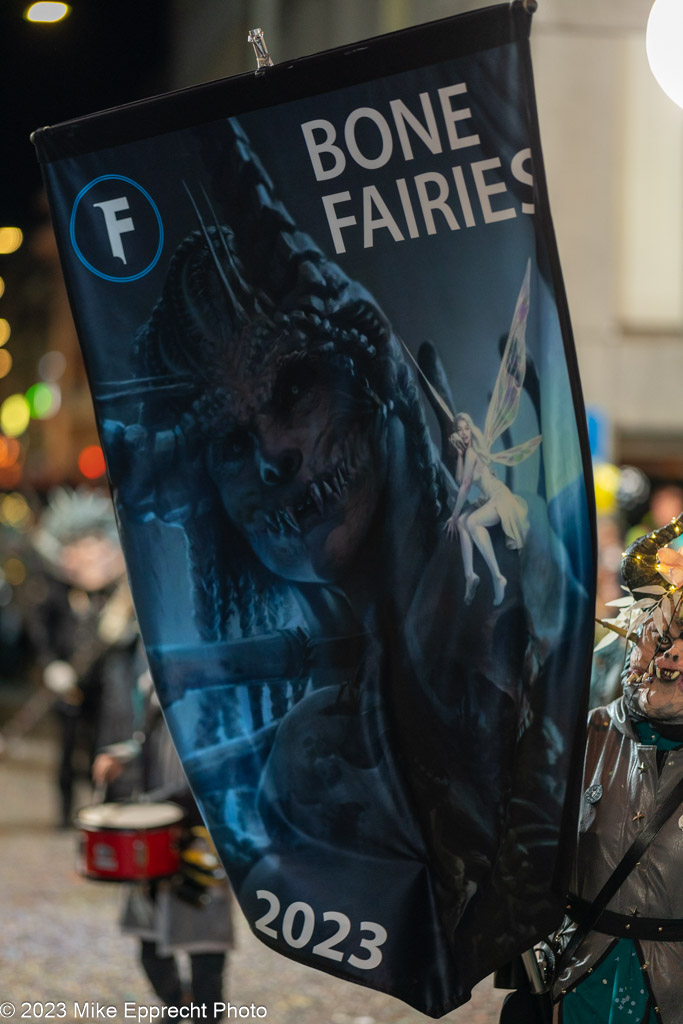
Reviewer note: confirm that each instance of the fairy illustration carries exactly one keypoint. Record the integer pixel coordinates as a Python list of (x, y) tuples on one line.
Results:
[(497, 503), (474, 461)]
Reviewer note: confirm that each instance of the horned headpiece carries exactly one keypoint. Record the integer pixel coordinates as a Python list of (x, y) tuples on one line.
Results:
[(652, 677), (247, 283), (652, 572), (641, 566)]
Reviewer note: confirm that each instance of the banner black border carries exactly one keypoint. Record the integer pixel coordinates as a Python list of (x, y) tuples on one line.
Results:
[(352, 64), (570, 814)]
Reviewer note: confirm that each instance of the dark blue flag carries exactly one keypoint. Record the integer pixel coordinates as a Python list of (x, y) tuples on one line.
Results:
[(327, 339)]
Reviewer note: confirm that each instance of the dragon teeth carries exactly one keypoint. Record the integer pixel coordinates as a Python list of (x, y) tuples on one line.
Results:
[(283, 519), (289, 517), (317, 498)]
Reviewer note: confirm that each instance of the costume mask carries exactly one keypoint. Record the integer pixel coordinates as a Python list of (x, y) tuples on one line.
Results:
[(653, 572), (654, 683)]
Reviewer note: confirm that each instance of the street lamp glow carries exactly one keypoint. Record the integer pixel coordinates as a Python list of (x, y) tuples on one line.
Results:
[(46, 12), (663, 43)]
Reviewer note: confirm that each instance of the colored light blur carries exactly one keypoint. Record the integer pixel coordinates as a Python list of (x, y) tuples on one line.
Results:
[(11, 476), (46, 12), (43, 400), (15, 571), (10, 450), (10, 240), (5, 362), (5, 331), (51, 366), (606, 480), (15, 415), (91, 462), (2, 287), (16, 512)]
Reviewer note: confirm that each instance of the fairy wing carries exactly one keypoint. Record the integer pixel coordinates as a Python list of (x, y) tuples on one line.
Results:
[(438, 398), (518, 453), (504, 402)]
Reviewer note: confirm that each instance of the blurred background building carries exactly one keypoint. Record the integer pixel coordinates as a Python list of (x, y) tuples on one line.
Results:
[(613, 145)]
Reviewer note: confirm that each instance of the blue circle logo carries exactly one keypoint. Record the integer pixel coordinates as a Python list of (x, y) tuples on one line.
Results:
[(116, 229)]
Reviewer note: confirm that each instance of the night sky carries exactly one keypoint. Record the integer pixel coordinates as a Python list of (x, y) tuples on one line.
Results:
[(102, 55)]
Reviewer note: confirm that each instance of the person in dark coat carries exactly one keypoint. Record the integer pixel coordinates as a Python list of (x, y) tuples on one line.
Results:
[(192, 914)]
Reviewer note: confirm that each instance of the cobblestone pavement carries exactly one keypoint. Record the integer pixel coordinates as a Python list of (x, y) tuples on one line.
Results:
[(60, 940)]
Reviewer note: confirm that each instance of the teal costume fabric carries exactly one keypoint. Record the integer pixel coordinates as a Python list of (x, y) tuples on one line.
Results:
[(615, 993)]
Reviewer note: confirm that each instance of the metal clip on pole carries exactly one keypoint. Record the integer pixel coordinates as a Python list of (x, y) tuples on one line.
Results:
[(534, 972), (263, 58)]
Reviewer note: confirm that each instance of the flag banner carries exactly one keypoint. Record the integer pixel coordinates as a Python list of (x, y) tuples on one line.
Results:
[(325, 330)]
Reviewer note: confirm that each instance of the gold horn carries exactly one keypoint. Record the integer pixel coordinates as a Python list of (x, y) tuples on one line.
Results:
[(639, 561)]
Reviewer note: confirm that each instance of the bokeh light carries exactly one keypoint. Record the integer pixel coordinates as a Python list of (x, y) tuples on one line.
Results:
[(16, 512), (51, 366), (46, 11), (15, 571), (91, 462), (5, 362), (43, 400), (5, 331), (10, 240), (15, 415), (10, 476), (10, 450), (2, 287), (606, 478), (11, 469)]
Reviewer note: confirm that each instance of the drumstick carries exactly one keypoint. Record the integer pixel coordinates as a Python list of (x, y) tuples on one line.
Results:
[(99, 792)]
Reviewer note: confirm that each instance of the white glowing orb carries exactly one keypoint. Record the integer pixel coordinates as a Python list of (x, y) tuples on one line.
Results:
[(664, 43)]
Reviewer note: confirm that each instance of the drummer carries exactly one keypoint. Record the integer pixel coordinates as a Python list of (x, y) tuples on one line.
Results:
[(179, 915)]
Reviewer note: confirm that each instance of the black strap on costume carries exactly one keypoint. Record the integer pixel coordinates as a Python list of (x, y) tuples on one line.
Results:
[(622, 870), (626, 926)]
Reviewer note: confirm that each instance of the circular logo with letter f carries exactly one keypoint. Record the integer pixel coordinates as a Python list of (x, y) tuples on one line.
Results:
[(116, 229)]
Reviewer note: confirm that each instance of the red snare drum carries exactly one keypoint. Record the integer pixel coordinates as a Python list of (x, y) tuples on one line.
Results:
[(129, 842)]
